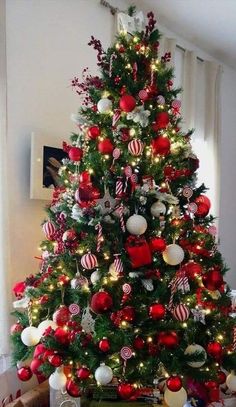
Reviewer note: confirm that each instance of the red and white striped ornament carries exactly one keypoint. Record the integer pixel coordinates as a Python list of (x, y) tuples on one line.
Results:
[(112, 59), (89, 261), (126, 288), (178, 283), (143, 95), (135, 147), (181, 312), (121, 214), (49, 230), (118, 265), (98, 227), (135, 71), (74, 309), (126, 353), (187, 192), (119, 187), (116, 117), (234, 339)]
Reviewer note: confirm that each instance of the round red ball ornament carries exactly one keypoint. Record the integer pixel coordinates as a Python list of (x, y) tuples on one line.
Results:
[(162, 120), (125, 390), (16, 328), (211, 384), (83, 373), (72, 388), (202, 210), (214, 349), (204, 200), (157, 244), (135, 147), (35, 365), (101, 302), (85, 177), (104, 345), (174, 383), (192, 269), (212, 280), (55, 360), (61, 336), (24, 373), (89, 261), (105, 146), (181, 312), (94, 132), (128, 313), (138, 343), (127, 103), (75, 153), (160, 146), (61, 316), (168, 339), (157, 311), (221, 377)]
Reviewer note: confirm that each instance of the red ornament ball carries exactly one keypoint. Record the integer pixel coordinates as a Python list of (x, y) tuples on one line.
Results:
[(221, 377), (174, 383), (55, 360), (211, 384), (61, 336), (162, 120), (128, 313), (204, 200), (127, 103), (85, 177), (135, 147), (157, 244), (35, 365), (192, 269), (49, 230), (105, 146), (181, 312), (24, 373), (212, 280), (157, 311), (72, 388), (83, 373), (16, 328), (39, 351), (61, 316), (203, 206), (168, 339), (104, 345), (94, 132), (214, 349), (138, 343), (101, 302), (75, 153), (160, 146), (125, 390)]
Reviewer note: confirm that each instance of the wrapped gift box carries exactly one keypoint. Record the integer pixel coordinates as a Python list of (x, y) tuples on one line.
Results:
[(39, 396)]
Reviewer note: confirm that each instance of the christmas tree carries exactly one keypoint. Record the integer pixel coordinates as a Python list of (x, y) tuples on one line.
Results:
[(131, 286)]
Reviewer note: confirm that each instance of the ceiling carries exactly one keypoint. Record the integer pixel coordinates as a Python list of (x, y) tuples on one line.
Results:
[(209, 24)]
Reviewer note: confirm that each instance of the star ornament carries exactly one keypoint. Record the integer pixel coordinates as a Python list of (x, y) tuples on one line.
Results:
[(106, 204)]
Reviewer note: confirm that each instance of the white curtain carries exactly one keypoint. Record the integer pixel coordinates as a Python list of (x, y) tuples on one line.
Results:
[(5, 290), (189, 89)]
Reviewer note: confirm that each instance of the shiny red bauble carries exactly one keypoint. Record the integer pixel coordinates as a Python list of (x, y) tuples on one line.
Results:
[(157, 244), (138, 343), (214, 349), (61, 336), (221, 377), (162, 120), (16, 328), (212, 280), (160, 146), (105, 146), (125, 390), (203, 206), (35, 365), (24, 373), (62, 315), (127, 103), (153, 349), (168, 339), (55, 360), (75, 153), (211, 384), (101, 302), (94, 132), (128, 313), (174, 383), (39, 351), (104, 345), (72, 388), (157, 311), (192, 269), (84, 177), (83, 373), (204, 200)]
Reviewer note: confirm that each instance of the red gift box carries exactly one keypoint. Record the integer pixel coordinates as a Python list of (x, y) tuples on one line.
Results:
[(138, 251)]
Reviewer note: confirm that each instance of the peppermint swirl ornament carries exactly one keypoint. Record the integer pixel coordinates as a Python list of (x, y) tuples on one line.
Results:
[(192, 207), (187, 192), (74, 309), (126, 353), (116, 153), (176, 104), (128, 171), (143, 95), (126, 288), (160, 100)]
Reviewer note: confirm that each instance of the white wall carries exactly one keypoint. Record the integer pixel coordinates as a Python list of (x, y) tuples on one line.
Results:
[(46, 47)]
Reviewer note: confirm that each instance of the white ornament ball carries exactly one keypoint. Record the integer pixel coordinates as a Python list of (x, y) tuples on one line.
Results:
[(175, 398), (30, 336), (95, 277), (157, 209), (136, 225), (173, 254), (191, 349), (231, 381), (58, 379), (104, 105), (103, 374), (45, 325)]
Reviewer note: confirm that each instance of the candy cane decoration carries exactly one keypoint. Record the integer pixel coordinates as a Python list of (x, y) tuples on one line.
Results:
[(179, 282), (135, 71), (100, 237), (234, 339), (121, 214), (116, 154), (112, 59), (118, 265), (126, 354), (119, 187), (116, 116)]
